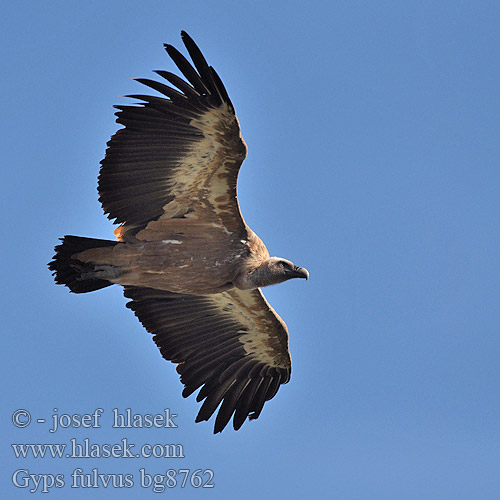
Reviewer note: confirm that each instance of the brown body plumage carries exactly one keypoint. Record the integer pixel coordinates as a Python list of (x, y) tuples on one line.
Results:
[(184, 254)]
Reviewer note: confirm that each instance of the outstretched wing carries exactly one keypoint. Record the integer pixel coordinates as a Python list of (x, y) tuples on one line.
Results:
[(231, 343), (178, 156)]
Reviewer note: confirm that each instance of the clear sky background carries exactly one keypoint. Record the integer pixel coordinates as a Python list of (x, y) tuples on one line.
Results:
[(373, 134)]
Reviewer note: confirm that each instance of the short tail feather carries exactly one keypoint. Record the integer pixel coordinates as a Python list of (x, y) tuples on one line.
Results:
[(73, 273)]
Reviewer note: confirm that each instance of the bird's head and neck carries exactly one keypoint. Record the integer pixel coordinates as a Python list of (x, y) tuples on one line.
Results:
[(271, 271)]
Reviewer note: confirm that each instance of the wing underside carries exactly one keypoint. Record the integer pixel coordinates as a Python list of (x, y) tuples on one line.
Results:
[(232, 345), (178, 155)]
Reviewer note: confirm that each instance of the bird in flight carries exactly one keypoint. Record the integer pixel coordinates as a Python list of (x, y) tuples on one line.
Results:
[(184, 255)]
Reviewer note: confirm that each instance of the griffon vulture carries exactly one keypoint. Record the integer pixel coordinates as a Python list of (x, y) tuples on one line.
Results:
[(190, 265)]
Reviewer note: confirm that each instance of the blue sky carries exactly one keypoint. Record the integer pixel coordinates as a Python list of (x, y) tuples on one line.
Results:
[(373, 161)]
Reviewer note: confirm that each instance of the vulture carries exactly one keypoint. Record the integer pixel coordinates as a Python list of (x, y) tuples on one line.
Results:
[(191, 267)]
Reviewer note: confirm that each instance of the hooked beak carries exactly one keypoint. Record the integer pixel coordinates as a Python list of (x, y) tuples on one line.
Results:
[(300, 272)]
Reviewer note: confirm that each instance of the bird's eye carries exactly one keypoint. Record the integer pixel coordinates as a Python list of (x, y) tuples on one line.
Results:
[(282, 265)]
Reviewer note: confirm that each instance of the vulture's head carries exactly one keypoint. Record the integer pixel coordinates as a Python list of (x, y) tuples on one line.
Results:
[(275, 270)]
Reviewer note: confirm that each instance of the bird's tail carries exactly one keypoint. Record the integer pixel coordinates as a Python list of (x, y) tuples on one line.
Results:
[(78, 276)]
